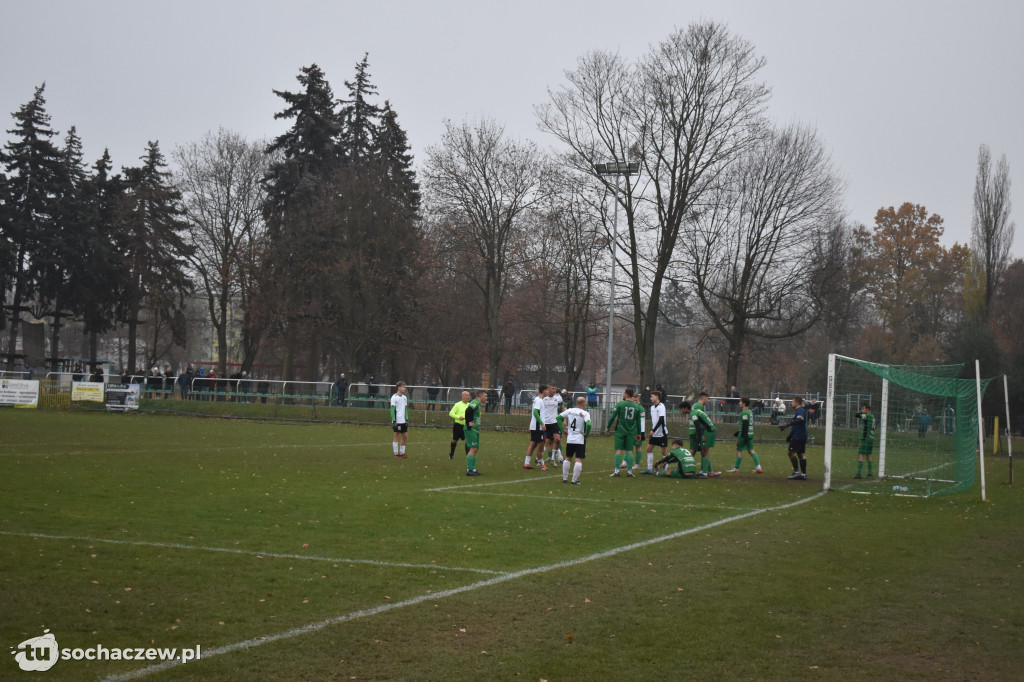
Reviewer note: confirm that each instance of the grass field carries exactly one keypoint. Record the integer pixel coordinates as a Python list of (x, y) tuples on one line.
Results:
[(307, 552)]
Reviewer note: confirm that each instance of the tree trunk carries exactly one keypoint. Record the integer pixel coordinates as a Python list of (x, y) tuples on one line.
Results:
[(12, 348), (736, 339), (92, 349)]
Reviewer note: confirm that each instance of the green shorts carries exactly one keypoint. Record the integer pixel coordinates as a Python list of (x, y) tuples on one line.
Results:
[(694, 445), (866, 446), (745, 444), (472, 438), (625, 441), (709, 439)]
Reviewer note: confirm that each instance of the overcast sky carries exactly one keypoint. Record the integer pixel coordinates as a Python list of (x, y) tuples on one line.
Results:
[(902, 92)]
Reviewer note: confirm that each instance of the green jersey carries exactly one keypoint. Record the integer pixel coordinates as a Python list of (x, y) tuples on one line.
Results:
[(700, 421), (867, 430), (473, 414), (746, 424), (628, 414)]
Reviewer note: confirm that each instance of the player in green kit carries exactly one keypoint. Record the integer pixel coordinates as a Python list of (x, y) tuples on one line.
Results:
[(684, 458), (867, 439), (704, 430), (745, 438), (627, 414), (473, 413)]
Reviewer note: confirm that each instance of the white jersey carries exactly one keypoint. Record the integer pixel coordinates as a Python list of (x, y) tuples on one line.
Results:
[(550, 411), (658, 413), (399, 402), (575, 421), (538, 405)]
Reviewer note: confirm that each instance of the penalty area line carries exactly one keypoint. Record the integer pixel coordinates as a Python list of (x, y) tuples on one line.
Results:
[(479, 485), (558, 498), (497, 580), (248, 552)]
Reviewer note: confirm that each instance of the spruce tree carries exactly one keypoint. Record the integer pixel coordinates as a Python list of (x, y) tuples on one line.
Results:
[(102, 278), (57, 265), (33, 166), (152, 248), (360, 118), (307, 158), (392, 150)]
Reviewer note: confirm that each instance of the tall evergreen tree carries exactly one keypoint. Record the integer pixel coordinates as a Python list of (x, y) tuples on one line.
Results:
[(34, 167), (57, 265), (152, 248), (96, 296), (308, 156), (392, 150), (360, 118)]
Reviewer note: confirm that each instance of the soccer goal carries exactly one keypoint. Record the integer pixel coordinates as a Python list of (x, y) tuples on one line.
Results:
[(900, 429)]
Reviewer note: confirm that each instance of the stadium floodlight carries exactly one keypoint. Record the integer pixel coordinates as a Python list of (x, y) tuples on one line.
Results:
[(618, 169)]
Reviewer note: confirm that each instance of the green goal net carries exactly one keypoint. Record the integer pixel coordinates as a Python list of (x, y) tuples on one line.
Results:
[(900, 429)]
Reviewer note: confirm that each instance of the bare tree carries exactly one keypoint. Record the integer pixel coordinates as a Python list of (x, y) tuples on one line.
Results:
[(482, 187), (991, 229), (220, 180), (753, 258), (687, 110)]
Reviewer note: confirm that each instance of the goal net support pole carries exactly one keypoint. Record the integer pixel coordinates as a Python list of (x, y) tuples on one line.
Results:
[(830, 406), (981, 430), (883, 428), (1009, 433)]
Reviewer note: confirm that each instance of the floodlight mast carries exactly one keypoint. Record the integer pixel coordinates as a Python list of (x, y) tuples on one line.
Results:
[(618, 169)]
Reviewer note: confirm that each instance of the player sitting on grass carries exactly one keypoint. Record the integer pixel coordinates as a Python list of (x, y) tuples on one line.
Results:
[(577, 427), (687, 467)]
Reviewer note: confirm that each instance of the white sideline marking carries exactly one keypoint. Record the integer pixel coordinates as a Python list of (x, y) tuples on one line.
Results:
[(247, 552), (594, 499), (506, 577), (197, 448)]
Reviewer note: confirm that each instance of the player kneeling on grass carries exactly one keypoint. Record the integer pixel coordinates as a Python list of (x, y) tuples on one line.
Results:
[(687, 466), (399, 419), (473, 412), (576, 421), (745, 439)]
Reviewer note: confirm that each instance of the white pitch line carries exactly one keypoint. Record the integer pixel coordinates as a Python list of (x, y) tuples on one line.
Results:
[(354, 615), (479, 485), (247, 552), (595, 499), (197, 448)]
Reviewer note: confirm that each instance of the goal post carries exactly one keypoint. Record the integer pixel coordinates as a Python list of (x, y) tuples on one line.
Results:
[(901, 429)]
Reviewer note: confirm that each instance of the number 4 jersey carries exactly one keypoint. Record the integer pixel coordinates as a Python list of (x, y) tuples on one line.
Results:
[(576, 423)]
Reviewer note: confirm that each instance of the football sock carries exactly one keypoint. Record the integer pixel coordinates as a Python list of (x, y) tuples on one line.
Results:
[(452, 452), (401, 449), (629, 460), (576, 469), (739, 460), (869, 468), (803, 466), (526, 462), (394, 447), (470, 462), (860, 466), (794, 462), (618, 461), (650, 461), (565, 470), (757, 462)]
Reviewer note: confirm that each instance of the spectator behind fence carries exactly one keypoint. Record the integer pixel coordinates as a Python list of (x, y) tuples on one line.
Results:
[(508, 393), (432, 392)]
